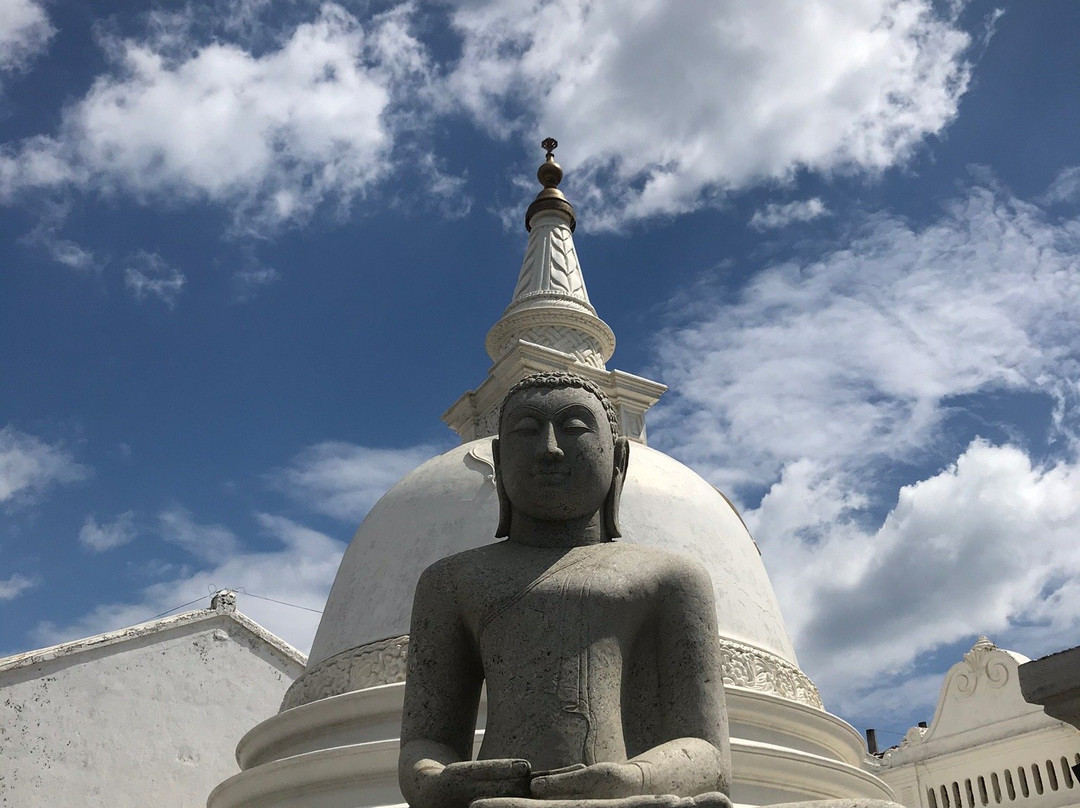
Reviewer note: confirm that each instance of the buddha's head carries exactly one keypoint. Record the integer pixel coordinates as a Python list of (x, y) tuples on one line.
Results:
[(559, 455)]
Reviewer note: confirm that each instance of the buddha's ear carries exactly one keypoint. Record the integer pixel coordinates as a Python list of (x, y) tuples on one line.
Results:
[(611, 502), (503, 529)]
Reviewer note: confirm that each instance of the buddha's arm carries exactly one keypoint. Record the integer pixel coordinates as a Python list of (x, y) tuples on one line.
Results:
[(442, 692), (693, 755)]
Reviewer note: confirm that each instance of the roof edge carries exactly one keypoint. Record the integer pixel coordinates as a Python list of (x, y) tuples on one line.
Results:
[(122, 635)]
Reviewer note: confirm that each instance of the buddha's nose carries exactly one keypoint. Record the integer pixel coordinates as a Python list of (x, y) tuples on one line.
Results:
[(549, 445)]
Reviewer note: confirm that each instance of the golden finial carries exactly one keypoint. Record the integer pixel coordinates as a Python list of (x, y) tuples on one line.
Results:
[(550, 175), (550, 172)]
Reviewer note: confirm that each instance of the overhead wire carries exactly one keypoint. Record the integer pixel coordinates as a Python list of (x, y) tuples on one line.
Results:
[(282, 602), (241, 591), (173, 609)]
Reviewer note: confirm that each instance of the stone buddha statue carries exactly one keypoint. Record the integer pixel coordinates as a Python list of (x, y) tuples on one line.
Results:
[(601, 658)]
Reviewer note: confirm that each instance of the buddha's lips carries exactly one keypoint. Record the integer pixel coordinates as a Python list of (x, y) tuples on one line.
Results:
[(550, 472)]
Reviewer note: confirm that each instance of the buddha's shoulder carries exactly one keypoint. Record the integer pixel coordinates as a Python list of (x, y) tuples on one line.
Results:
[(668, 564), (655, 557), (635, 560), (462, 563)]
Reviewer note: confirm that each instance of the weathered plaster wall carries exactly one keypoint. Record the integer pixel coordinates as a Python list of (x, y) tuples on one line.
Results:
[(986, 746), (151, 722)]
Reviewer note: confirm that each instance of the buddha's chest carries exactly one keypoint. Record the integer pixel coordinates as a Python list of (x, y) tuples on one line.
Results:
[(555, 645), (579, 601)]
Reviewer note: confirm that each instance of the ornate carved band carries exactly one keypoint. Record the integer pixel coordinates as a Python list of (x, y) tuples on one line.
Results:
[(383, 662), (377, 663), (754, 669)]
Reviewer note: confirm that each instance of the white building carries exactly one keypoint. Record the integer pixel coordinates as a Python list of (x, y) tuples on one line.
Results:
[(986, 745), (144, 716), (335, 742)]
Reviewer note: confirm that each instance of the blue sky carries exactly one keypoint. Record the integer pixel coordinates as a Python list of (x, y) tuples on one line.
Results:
[(249, 252)]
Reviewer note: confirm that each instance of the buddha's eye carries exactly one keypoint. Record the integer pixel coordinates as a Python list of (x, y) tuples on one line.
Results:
[(525, 426), (576, 426)]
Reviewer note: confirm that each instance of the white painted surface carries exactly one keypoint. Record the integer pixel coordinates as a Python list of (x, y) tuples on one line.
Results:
[(449, 505), (986, 738), (550, 306), (146, 717), (341, 752), (550, 325)]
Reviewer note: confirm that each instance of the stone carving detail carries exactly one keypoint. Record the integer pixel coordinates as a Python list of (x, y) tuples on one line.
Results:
[(748, 667), (383, 663), (482, 455), (982, 663), (551, 265), (562, 338), (377, 663)]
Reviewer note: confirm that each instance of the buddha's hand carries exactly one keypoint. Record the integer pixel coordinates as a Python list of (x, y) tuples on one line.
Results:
[(598, 781), (458, 784), (713, 799)]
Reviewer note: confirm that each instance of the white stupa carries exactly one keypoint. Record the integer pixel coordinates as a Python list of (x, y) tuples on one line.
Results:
[(335, 741)]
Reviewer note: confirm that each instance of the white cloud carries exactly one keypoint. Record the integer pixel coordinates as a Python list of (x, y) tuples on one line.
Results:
[(699, 97), (1065, 188), (247, 282), (11, 588), (984, 547), (821, 383), (28, 466), (343, 480), (47, 235), (109, 534), (24, 32), (774, 215), (852, 357), (271, 135), (209, 542), (36, 162), (67, 252), (300, 572), (149, 275)]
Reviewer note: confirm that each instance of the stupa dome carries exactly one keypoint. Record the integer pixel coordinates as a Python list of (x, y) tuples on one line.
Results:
[(449, 504)]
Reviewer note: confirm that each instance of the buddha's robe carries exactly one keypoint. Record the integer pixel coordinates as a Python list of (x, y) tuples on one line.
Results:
[(591, 653)]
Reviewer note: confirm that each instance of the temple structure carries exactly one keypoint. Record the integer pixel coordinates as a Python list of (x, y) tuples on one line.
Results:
[(986, 745), (145, 715), (335, 740)]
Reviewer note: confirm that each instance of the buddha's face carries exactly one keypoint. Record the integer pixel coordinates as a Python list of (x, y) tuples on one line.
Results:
[(556, 453)]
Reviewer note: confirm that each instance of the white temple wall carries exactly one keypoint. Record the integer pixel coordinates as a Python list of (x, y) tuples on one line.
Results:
[(150, 721), (986, 746), (1035, 764)]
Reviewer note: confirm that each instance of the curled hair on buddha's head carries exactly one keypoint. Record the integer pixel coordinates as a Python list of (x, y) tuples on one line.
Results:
[(555, 380)]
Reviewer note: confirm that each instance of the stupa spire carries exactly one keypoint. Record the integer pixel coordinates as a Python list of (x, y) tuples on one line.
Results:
[(550, 306), (550, 323)]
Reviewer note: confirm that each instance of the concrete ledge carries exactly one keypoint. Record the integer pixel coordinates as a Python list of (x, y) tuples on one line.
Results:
[(1053, 682), (364, 775), (766, 774)]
